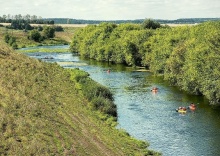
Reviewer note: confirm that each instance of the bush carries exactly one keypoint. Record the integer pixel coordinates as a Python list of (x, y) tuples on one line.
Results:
[(7, 38), (49, 32), (104, 105), (150, 24), (35, 35), (12, 40), (58, 28), (100, 97), (14, 45)]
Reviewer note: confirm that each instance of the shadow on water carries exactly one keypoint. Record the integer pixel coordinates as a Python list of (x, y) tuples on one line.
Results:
[(152, 116)]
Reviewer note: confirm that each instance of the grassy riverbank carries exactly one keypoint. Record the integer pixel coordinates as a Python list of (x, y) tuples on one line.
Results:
[(44, 110)]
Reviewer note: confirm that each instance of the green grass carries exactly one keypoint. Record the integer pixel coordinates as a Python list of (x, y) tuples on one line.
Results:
[(44, 111)]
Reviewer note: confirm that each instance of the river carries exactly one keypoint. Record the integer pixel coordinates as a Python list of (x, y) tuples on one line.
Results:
[(151, 116)]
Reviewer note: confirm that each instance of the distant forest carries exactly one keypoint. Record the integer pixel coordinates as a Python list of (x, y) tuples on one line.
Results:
[(33, 19), (137, 21), (30, 19)]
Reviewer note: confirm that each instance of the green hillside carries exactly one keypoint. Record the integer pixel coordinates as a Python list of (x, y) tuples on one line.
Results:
[(43, 111)]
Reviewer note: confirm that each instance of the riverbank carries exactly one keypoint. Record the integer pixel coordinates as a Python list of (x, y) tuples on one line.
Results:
[(43, 112)]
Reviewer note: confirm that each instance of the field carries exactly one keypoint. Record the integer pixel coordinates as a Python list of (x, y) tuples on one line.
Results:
[(22, 40)]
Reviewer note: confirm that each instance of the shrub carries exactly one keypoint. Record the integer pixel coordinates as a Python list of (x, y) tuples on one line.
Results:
[(14, 45), (58, 28), (7, 38), (49, 32), (104, 105), (35, 35), (150, 24)]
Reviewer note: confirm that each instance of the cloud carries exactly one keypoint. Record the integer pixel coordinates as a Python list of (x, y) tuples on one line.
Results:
[(113, 9)]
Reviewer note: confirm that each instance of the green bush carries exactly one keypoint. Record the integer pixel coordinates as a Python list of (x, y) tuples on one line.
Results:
[(35, 35), (104, 105), (14, 45), (7, 38), (48, 32), (100, 97), (11, 40)]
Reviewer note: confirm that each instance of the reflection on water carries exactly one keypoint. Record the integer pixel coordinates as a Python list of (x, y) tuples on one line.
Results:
[(152, 116)]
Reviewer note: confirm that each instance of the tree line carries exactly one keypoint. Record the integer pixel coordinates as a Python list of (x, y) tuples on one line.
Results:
[(186, 56), (31, 19), (137, 21), (23, 22)]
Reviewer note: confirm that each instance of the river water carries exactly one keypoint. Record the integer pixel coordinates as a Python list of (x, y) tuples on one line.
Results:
[(151, 116)]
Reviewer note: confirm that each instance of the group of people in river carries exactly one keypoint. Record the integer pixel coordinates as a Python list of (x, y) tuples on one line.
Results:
[(183, 109), (191, 107)]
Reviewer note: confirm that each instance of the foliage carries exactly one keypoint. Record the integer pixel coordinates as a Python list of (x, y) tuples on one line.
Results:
[(100, 97), (48, 32), (150, 24), (58, 28), (35, 35), (24, 19), (10, 40), (186, 56), (21, 25), (110, 42)]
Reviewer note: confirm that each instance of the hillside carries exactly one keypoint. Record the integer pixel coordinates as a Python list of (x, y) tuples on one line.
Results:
[(43, 113)]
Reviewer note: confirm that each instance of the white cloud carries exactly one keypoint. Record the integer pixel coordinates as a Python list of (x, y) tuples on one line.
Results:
[(113, 9)]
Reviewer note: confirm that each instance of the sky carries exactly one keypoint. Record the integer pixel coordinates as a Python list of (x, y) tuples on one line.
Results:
[(113, 9)]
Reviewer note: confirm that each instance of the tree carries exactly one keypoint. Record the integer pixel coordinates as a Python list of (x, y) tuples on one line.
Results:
[(150, 24), (49, 32), (35, 35)]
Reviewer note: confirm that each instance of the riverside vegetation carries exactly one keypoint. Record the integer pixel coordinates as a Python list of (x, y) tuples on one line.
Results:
[(186, 56), (48, 110)]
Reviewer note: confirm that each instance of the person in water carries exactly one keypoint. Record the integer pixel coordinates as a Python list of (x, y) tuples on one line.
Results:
[(192, 106), (154, 89), (181, 109)]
